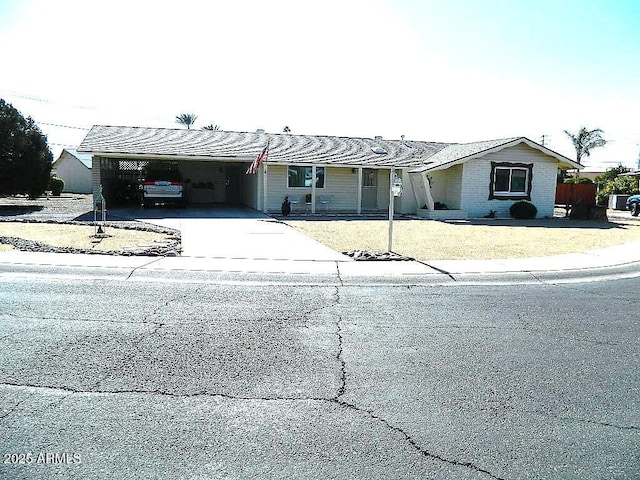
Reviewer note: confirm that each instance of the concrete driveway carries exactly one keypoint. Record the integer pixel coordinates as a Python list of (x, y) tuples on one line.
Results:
[(234, 232)]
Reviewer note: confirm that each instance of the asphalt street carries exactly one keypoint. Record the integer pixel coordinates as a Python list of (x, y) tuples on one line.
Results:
[(110, 378)]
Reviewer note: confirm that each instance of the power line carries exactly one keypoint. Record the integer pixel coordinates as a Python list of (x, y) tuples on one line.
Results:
[(28, 96), (64, 126)]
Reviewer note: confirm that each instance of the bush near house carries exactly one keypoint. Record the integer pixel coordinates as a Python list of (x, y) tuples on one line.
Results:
[(523, 210), (56, 185)]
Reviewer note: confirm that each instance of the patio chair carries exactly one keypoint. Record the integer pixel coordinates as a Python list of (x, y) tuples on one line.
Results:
[(325, 200)]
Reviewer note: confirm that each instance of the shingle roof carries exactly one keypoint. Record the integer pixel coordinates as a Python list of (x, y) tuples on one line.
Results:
[(461, 152), (284, 148), (458, 151), (287, 148)]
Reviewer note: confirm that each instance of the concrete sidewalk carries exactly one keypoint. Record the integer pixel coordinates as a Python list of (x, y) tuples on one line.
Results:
[(617, 256)]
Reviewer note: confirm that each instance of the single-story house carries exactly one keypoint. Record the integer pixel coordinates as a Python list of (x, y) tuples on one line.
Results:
[(75, 169), (351, 174)]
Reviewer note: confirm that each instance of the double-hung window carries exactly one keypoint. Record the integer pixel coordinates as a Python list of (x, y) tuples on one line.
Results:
[(301, 177), (510, 181)]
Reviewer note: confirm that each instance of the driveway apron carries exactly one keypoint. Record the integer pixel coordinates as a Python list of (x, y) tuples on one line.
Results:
[(240, 233), (251, 238)]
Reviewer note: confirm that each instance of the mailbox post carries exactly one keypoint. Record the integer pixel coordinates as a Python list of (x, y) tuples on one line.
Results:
[(395, 190)]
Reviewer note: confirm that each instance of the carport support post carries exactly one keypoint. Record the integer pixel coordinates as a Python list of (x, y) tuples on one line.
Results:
[(264, 187), (391, 205), (359, 209), (314, 171)]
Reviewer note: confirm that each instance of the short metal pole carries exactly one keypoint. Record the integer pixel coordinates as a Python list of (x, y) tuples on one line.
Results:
[(391, 202)]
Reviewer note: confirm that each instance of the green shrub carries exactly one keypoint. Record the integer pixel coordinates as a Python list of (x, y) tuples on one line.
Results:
[(56, 185), (619, 185), (523, 210)]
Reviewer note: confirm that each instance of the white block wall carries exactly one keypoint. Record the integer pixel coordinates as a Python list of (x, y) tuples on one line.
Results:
[(476, 177)]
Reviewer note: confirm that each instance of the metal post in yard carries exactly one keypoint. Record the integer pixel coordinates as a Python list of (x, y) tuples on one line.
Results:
[(391, 205)]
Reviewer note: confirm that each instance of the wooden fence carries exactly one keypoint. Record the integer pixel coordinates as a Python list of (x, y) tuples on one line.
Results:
[(580, 194)]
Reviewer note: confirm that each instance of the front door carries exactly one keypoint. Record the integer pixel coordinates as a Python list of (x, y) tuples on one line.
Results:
[(369, 189)]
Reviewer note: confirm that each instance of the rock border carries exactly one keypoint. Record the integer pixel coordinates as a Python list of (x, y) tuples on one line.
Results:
[(364, 255), (171, 249)]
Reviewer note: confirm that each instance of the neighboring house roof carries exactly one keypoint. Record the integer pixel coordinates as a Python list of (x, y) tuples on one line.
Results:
[(459, 153), (84, 158), (140, 142)]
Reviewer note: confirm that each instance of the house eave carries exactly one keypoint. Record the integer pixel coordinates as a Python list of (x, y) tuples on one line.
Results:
[(168, 157)]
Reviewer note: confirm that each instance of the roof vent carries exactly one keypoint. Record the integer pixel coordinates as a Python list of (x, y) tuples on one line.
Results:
[(260, 130), (378, 150)]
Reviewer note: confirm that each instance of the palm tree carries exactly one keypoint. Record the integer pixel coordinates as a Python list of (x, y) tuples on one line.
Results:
[(186, 119), (212, 127), (586, 140)]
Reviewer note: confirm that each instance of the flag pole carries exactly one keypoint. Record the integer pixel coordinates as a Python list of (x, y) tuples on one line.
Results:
[(264, 181)]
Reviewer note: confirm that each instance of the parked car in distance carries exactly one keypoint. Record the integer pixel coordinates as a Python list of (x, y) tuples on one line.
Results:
[(633, 204), (163, 186)]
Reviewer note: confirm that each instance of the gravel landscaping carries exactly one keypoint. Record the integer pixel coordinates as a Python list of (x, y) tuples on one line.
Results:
[(65, 225)]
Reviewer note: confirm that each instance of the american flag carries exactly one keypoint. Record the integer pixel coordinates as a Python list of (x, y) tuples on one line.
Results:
[(253, 168)]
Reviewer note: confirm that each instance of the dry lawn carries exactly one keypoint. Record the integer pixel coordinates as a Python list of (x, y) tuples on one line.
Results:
[(471, 240), (78, 236)]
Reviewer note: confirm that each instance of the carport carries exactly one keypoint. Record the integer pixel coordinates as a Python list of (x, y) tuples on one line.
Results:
[(206, 182)]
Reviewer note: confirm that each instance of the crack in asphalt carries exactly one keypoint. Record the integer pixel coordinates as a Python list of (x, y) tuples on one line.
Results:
[(15, 407), (338, 274), (70, 391), (584, 420), (163, 393), (339, 355), (413, 443), (81, 320)]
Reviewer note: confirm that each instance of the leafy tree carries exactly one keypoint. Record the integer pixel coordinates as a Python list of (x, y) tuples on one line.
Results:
[(186, 119), (612, 173), (212, 127), (25, 157), (586, 140)]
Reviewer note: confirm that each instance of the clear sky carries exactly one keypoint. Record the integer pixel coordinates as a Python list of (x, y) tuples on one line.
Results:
[(452, 71)]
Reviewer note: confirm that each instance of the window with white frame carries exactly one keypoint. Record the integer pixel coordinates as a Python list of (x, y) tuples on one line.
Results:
[(301, 177), (510, 181)]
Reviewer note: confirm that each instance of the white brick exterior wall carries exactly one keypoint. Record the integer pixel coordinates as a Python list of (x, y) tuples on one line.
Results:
[(476, 179)]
